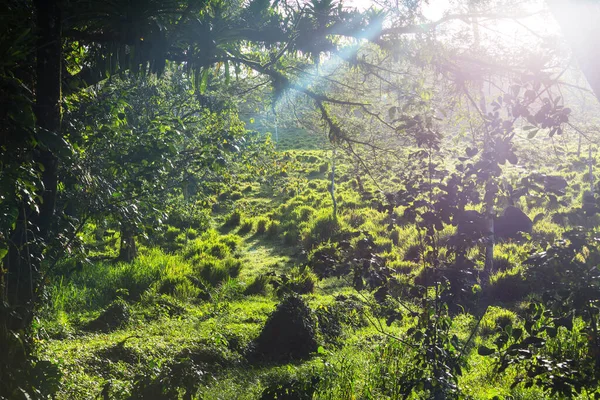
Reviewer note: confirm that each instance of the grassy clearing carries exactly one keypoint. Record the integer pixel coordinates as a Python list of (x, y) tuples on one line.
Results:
[(195, 309)]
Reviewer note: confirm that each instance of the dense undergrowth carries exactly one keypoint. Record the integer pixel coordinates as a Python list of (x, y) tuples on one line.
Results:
[(261, 303)]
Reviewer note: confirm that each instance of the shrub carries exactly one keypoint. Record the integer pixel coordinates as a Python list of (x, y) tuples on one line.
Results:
[(191, 233), (323, 227), (231, 241), (223, 196), (114, 317), (245, 227), (258, 286), (303, 213), (180, 287), (273, 229), (172, 233), (219, 250), (236, 195), (261, 225), (233, 219), (291, 237), (508, 286), (502, 263), (300, 280), (496, 317), (290, 386), (324, 258), (214, 272), (288, 334)]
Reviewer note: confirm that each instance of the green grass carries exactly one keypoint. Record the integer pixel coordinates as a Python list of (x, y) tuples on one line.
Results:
[(208, 295)]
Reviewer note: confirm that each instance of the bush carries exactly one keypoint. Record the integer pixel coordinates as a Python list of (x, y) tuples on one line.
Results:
[(508, 286), (219, 250), (231, 241), (290, 386), (288, 334), (303, 213), (233, 219), (180, 287), (214, 272), (273, 229), (245, 227), (114, 317), (324, 259), (258, 286), (300, 280), (261, 225), (172, 233), (322, 228), (291, 237), (191, 233)]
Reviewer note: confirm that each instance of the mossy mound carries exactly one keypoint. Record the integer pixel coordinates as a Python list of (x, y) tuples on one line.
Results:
[(114, 317), (289, 333)]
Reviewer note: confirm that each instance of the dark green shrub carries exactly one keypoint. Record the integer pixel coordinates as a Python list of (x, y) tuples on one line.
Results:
[(231, 241), (219, 250), (114, 317), (172, 233), (233, 219), (245, 227), (290, 386), (168, 285), (258, 286), (291, 237), (236, 196), (273, 229), (508, 287), (502, 263), (323, 167), (324, 259), (329, 322), (215, 272), (191, 233), (223, 196), (288, 334), (321, 229), (261, 225), (300, 280)]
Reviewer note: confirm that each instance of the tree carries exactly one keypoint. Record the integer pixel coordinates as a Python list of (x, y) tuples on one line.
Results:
[(82, 43)]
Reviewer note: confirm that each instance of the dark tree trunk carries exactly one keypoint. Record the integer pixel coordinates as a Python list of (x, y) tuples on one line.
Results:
[(21, 269), (128, 250), (33, 227)]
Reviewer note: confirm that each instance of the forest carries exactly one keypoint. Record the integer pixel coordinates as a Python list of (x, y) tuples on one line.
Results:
[(311, 199)]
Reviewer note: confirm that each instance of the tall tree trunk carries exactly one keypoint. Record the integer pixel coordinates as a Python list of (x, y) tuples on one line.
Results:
[(128, 249), (21, 267), (33, 226)]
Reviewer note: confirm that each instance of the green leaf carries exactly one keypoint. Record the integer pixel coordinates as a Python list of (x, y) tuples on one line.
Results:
[(532, 134), (204, 81), (485, 351)]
